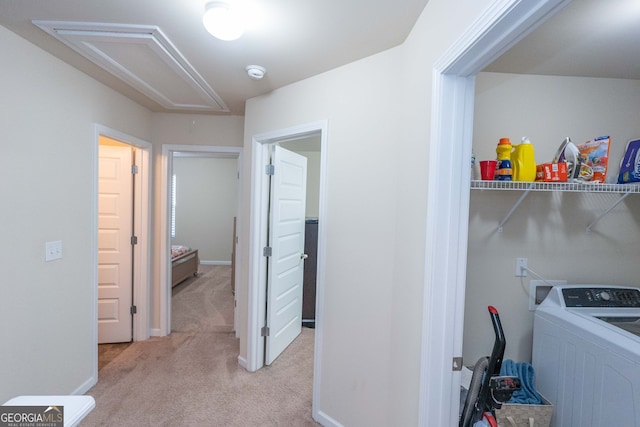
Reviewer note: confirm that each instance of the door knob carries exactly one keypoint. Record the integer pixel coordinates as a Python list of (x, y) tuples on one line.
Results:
[(304, 256)]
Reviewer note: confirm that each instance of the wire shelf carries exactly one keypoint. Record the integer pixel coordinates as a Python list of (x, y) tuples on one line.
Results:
[(567, 187), (576, 187)]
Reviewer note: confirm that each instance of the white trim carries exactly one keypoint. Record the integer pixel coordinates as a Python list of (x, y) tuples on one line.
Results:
[(501, 26), (215, 262), (168, 151), (87, 385), (142, 258), (325, 420), (256, 295), (242, 362), (142, 224), (93, 244)]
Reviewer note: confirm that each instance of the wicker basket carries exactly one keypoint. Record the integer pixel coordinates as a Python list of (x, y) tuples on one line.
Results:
[(519, 415)]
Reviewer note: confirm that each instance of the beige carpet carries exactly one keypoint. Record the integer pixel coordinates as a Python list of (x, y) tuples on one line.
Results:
[(192, 378)]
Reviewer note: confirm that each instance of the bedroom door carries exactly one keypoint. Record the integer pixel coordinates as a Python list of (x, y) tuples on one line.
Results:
[(285, 265), (115, 250)]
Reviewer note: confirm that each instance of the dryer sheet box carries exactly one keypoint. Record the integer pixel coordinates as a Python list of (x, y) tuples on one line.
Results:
[(552, 172)]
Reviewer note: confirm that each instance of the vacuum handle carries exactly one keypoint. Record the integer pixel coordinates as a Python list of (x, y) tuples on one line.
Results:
[(500, 343), (484, 403)]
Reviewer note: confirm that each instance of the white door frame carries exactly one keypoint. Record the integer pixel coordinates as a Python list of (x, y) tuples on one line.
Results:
[(499, 28), (256, 295), (165, 220), (141, 224)]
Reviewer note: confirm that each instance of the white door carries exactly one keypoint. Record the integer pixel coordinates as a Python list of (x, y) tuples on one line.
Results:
[(286, 239), (115, 252)]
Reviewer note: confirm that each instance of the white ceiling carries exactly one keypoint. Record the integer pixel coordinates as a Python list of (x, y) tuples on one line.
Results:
[(587, 38), (296, 40)]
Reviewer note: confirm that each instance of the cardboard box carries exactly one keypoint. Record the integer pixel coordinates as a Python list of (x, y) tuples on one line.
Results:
[(551, 172)]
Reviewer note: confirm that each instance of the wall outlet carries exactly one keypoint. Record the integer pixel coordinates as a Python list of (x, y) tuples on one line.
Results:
[(539, 289), (53, 250), (521, 267)]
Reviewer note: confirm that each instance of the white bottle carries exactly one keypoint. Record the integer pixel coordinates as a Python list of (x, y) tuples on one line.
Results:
[(475, 167)]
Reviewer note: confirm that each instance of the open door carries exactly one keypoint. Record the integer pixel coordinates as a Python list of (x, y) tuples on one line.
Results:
[(285, 265), (115, 252)]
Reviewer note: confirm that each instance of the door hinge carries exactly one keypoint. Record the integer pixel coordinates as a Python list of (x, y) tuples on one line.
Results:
[(267, 251), (134, 169), (457, 364), (270, 170), (134, 310), (134, 240), (264, 332)]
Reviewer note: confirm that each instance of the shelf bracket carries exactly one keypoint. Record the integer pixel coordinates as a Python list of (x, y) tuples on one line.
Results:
[(595, 221), (517, 204)]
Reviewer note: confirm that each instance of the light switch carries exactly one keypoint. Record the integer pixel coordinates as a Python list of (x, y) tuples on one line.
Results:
[(53, 250)]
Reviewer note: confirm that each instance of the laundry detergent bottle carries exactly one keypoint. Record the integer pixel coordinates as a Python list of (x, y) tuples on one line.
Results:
[(523, 161), (504, 170)]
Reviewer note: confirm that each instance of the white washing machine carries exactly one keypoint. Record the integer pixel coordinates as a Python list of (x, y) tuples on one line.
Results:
[(586, 355)]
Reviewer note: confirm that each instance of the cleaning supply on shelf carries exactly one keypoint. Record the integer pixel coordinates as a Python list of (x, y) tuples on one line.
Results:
[(504, 171), (594, 159), (475, 169), (523, 161), (630, 163)]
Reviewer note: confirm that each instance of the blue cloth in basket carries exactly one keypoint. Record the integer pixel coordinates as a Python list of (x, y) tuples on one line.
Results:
[(527, 394)]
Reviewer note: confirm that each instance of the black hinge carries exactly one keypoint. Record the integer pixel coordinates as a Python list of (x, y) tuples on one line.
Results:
[(264, 332), (134, 240), (134, 169), (267, 251), (270, 170), (134, 310)]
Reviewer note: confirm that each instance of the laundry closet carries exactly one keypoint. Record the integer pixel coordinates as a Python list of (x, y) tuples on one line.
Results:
[(581, 237)]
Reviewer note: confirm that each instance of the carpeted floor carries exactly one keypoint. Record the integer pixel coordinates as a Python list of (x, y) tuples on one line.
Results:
[(108, 352), (192, 377)]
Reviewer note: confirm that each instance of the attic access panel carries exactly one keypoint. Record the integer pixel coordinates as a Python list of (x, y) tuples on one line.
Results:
[(143, 57)]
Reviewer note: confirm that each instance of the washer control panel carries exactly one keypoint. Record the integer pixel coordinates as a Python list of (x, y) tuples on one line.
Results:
[(601, 297)]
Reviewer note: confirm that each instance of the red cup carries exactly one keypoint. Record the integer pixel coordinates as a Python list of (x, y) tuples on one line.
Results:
[(488, 169)]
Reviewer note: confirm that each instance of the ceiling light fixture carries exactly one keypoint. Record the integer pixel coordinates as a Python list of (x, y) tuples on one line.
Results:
[(222, 20), (256, 72)]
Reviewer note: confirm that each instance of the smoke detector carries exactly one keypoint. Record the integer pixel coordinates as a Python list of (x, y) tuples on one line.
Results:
[(256, 72)]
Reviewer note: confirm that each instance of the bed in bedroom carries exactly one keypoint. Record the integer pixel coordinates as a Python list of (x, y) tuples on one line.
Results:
[(184, 263)]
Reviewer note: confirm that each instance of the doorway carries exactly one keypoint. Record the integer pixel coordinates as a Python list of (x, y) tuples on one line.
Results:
[(140, 222), (257, 297), (453, 88), (168, 153), (116, 178)]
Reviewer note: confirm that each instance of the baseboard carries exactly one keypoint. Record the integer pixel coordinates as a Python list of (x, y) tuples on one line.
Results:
[(242, 362), (215, 262), (86, 386), (155, 332), (326, 420)]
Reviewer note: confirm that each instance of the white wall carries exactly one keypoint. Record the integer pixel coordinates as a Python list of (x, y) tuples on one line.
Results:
[(548, 229), (207, 195), (313, 183), (352, 269), (47, 174), (378, 113)]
